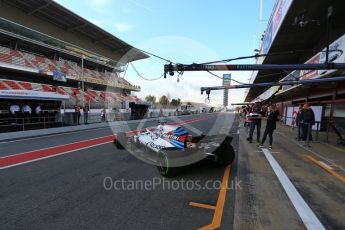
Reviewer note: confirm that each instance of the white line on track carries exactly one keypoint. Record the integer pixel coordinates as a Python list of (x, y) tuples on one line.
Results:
[(326, 165), (53, 135), (42, 158), (308, 217), (51, 147)]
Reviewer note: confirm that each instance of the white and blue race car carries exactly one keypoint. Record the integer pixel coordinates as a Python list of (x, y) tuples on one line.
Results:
[(171, 147)]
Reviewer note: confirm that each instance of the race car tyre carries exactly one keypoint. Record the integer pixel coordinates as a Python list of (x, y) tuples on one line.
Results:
[(120, 140), (163, 165), (225, 153), (198, 138)]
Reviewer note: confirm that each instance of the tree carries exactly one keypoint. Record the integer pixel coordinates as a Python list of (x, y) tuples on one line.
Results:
[(175, 102), (189, 103), (151, 99), (163, 101)]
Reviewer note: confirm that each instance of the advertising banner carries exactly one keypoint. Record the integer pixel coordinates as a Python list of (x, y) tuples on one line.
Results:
[(267, 40), (278, 15), (31, 94), (336, 55), (308, 74), (59, 76)]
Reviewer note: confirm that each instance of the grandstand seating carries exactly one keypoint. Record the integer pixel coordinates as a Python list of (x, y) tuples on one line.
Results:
[(45, 65), (93, 96), (59, 90), (26, 85), (3, 86), (12, 84), (75, 91), (47, 88)]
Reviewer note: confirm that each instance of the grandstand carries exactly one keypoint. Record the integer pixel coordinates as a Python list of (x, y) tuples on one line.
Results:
[(46, 48)]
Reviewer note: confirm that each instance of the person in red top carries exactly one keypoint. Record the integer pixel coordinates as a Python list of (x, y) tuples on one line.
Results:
[(86, 113), (77, 113)]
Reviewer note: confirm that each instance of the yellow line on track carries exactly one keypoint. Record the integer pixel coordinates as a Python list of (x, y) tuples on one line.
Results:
[(338, 176), (218, 213), (199, 205)]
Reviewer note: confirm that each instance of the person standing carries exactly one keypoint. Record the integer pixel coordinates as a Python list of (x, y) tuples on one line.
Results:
[(307, 122), (299, 119), (255, 117), (14, 109), (77, 113), (247, 120), (272, 118), (103, 114), (38, 112), (26, 109), (86, 113)]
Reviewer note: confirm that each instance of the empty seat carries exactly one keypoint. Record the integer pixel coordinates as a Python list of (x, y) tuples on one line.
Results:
[(3, 86), (46, 88), (26, 85), (12, 84)]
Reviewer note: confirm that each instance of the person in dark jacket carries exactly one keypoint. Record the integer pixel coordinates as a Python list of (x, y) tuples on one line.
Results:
[(299, 119), (255, 116), (272, 118), (308, 120), (77, 114), (86, 113)]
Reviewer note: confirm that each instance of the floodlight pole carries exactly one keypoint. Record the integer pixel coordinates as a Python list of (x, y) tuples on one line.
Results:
[(329, 15), (82, 77), (82, 72)]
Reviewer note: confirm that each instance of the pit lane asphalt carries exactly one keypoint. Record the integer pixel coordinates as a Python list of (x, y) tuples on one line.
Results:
[(67, 192)]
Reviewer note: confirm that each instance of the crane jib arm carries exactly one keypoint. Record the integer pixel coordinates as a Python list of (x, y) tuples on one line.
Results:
[(280, 83), (169, 68)]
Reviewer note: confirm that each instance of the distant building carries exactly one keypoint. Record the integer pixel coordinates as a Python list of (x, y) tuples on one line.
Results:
[(226, 82)]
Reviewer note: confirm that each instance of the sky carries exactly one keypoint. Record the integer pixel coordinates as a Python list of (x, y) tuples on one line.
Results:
[(183, 31)]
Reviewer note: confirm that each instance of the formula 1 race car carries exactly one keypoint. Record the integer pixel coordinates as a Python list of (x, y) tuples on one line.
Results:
[(172, 147)]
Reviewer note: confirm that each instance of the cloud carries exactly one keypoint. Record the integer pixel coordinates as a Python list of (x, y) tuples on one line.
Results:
[(100, 6), (123, 27), (126, 9), (188, 89), (143, 6), (100, 3)]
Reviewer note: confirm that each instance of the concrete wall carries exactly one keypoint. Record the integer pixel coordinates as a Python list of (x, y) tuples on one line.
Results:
[(30, 21)]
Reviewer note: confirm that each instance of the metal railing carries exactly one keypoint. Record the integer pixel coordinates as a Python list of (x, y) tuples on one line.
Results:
[(15, 123), (325, 131), (23, 122)]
